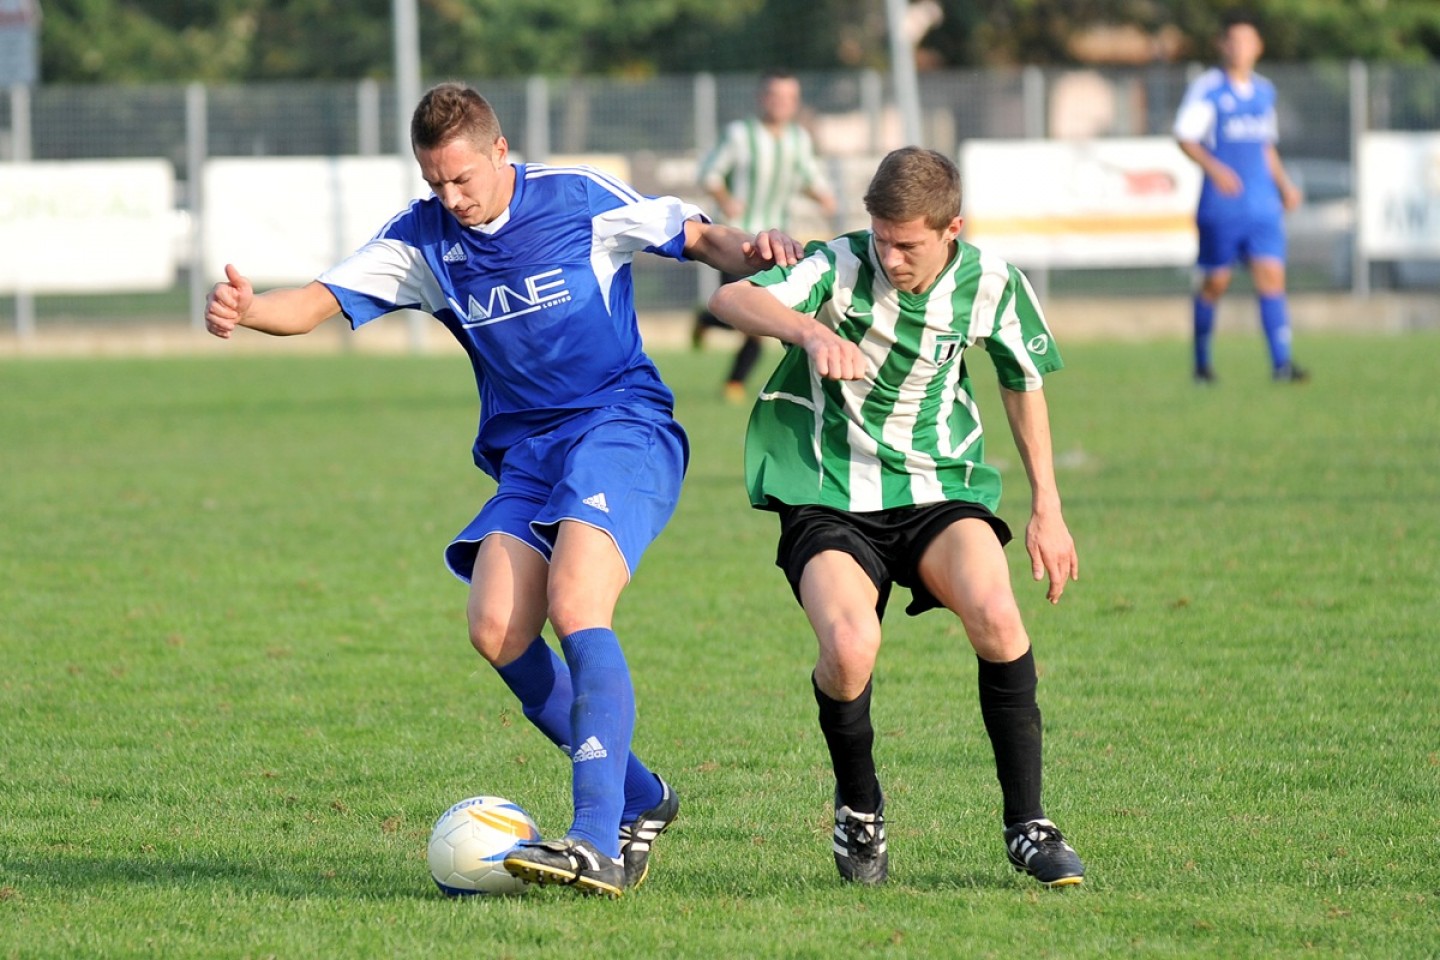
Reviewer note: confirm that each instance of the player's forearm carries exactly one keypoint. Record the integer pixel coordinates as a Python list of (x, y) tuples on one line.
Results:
[(1277, 169), (1029, 418), (289, 311), (1202, 157), (753, 311), (722, 247)]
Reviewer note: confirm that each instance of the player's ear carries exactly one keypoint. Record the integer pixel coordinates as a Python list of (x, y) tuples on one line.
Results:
[(499, 152), (952, 229)]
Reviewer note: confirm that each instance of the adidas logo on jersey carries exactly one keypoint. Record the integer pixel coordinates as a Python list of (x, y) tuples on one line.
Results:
[(455, 255), (598, 502), (591, 749)]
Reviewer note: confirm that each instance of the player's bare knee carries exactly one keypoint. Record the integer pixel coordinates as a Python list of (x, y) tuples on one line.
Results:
[(995, 628), (569, 614), (848, 650), (496, 639)]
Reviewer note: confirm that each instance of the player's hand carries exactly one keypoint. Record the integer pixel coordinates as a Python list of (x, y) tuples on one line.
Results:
[(773, 248), (228, 303), (1227, 181), (834, 357), (1052, 552)]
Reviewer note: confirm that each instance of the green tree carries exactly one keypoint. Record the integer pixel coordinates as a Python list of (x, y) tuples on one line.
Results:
[(108, 41)]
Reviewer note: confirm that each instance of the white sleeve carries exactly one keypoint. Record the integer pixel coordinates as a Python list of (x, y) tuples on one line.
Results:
[(652, 222), (388, 270), (1195, 121)]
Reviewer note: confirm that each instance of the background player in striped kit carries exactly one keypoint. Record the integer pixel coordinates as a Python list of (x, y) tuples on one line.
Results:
[(1227, 125), (528, 266), (754, 172), (867, 442)]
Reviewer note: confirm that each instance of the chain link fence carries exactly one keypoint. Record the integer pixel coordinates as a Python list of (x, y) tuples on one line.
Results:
[(659, 127)]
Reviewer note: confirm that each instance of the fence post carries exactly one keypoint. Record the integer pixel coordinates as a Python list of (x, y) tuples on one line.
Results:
[(367, 118), (707, 122), (1359, 123), (872, 105), (197, 150), (20, 152), (707, 134), (1032, 97), (537, 119)]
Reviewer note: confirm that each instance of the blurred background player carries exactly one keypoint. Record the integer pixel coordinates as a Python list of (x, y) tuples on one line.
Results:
[(757, 169), (576, 428), (867, 442), (1227, 125)]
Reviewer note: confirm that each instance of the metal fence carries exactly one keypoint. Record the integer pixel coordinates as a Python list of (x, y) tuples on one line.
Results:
[(661, 125)]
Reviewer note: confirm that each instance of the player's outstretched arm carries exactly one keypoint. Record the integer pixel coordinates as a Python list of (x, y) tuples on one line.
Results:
[(752, 310), (732, 250), (283, 312), (1047, 538)]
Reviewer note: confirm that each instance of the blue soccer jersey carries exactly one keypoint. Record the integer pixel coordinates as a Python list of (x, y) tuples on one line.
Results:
[(1236, 123), (540, 298)]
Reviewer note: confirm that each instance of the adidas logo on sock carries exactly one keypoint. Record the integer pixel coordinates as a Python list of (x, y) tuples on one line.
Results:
[(455, 255), (591, 749), (598, 502)]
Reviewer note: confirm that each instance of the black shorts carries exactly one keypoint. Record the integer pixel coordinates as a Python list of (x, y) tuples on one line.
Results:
[(887, 544)]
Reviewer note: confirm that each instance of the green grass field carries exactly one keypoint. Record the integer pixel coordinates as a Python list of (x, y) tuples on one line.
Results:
[(237, 688)]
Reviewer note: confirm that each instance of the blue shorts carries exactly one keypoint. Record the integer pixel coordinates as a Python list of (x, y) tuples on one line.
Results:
[(617, 469), (1226, 240)]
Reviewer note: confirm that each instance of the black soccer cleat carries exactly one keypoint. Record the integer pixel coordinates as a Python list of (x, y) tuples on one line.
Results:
[(1037, 848), (637, 836), (860, 852), (568, 862), (1205, 376), (1290, 373)]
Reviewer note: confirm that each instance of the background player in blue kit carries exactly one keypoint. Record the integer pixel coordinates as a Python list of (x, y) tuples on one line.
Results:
[(1226, 124), (528, 266)]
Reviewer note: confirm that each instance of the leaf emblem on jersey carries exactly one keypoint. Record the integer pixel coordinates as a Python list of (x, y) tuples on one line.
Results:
[(1039, 344)]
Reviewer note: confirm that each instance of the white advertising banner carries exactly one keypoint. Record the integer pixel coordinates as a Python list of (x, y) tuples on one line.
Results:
[(284, 220), (87, 226), (1081, 203), (1399, 195)]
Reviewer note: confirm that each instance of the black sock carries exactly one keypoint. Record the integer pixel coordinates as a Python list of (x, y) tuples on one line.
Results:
[(1012, 718), (851, 739)]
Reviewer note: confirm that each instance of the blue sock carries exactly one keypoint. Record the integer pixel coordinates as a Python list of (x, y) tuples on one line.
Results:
[(1204, 332), (541, 682), (1275, 318), (602, 721)]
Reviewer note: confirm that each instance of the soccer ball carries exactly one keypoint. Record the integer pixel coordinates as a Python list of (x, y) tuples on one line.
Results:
[(470, 842)]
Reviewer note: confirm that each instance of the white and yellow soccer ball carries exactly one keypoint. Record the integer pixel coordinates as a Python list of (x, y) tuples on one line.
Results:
[(469, 844)]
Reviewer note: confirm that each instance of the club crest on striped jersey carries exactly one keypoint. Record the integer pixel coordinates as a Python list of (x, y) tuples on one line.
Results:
[(947, 345)]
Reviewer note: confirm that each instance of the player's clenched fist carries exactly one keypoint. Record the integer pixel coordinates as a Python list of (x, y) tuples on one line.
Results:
[(834, 357), (228, 302)]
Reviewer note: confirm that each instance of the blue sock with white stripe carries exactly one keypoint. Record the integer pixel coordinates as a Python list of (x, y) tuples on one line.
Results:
[(1204, 325), (1275, 318), (602, 721), (541, 682)]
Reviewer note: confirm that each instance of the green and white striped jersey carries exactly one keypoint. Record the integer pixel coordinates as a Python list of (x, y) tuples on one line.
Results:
[(763, 171), (908, 433)]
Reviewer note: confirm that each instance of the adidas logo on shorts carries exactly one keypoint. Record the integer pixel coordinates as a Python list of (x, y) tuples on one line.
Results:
[(598, 502)]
